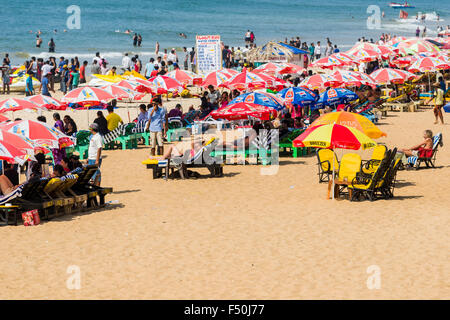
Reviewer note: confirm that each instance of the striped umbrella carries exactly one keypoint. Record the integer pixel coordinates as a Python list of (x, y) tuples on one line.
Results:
[(332, 136), (327, 62), (260, 98), (416, 46), (250, 80), (39, 133), (243, 110), (350, 119), (317, 81), (47, 102), (388, 75), (291, 68), (87, 95), (134, 85), (270, 68), (3, 118), (228, 72), (183, 76), (364, 55), (351, 78), (298, 96), (16, 104), (215, 79), (121, 93), (428, 64), (18, 141), (164, 84), (12, 153), (381, 51)]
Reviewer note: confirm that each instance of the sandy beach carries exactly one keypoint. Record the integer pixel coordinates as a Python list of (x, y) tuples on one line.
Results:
[(243, 236)]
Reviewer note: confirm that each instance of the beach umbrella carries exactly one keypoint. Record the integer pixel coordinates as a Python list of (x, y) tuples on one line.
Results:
[(428, 64), (228, 72), (243, 110), (3, 118), (334, 136), (350, 119), (447, 108), (39, 133), (121, 93), (18, 141), (346, 78), (298, 96), (251, 80), (317, 81), (291, 68), (327, 62), (403, 61), (215, 79), (164, 84), (381, 51), (12, 153), (183, 76), (16, 104), (389, 75), (134, 85), (336, 96), (416, 46), (270, 68), (46, 102), (363, 55), (87, 95), (263, 99)]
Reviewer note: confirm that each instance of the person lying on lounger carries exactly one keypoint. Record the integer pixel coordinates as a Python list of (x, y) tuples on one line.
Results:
[(180, 148), (427, 144), (6, 186)]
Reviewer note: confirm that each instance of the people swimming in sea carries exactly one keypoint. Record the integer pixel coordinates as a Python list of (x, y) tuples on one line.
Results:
[(182, 35)]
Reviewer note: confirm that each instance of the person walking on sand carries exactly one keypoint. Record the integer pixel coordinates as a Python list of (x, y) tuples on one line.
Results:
[(157, 125), (439, 100), (45, 86), (317, 51)]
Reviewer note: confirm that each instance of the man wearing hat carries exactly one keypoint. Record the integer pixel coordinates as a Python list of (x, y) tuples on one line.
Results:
[(95, 152)]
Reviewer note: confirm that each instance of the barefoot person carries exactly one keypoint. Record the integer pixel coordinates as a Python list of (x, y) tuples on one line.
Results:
[(438, 103), (6, 185), (95, 152), (425, 145)]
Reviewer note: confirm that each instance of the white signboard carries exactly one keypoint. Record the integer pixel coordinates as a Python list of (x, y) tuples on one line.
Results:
[(209, 54)]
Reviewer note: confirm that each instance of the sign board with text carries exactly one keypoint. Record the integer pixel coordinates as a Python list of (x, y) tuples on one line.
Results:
[(209, 54)]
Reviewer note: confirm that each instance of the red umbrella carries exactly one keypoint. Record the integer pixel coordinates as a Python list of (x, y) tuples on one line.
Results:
[(16, 104), (134, 85), (121, 93), (215, 79), (242, 110), (87, 95), (12, 154), (164, 84), (47, 102), (250, 80), (3, 118), (18, 141), (317, 81), (388, 75), (428, 64)]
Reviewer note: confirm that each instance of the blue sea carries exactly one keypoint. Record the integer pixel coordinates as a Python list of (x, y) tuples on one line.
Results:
[(103, 23)]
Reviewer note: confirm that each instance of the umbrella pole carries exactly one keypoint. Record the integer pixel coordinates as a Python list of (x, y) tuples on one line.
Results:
[(429, 82), (333, 174)]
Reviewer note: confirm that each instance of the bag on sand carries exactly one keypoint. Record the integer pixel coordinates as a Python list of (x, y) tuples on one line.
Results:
[(31, 218)]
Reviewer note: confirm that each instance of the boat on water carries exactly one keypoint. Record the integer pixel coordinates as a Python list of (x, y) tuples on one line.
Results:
[(397, 5)]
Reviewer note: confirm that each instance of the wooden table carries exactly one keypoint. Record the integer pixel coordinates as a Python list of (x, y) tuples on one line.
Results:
[(338, 183)]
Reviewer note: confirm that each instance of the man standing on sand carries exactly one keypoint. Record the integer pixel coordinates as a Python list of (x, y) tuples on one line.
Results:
[(311, 51), (157, 125), (83, 72), (95, 152), (149, 67), (95, 68), (45, 85), (29, 90), (5, 76)]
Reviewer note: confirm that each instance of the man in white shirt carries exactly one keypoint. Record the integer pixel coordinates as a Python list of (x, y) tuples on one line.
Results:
[(126, 62), (172, 56), (185, 58), (95, 152), (317, 51), (97, 58), (46, 68)]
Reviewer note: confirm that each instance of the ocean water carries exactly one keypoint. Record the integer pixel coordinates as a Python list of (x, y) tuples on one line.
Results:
[(103, 23)]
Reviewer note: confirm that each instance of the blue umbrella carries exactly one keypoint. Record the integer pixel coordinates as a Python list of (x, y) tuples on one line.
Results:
[(263, 99), (447, 108), (299, 96), (335, 96)]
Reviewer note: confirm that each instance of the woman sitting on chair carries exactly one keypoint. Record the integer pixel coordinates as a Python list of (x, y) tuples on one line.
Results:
[(426, 145)]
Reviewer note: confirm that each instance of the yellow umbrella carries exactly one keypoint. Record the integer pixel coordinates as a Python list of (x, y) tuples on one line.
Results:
[(350, 119)]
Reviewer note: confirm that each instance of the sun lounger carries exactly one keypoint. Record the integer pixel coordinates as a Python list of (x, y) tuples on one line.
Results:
[(325, 164), (416, 161), (6, 206), (175, 125), (83, 186), (349, 167), (161, 168), (366, 185), (378, 153)]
